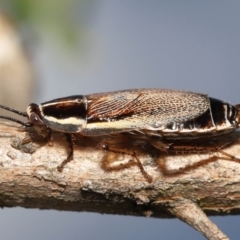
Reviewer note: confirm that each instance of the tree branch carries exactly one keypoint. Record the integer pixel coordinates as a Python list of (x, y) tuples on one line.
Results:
[(32, 181)]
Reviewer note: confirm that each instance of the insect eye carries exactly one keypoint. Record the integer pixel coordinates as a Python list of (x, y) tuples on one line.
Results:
[(35, 119)]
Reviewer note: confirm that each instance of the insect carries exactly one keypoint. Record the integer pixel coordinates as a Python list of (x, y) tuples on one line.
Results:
[(157, 116)]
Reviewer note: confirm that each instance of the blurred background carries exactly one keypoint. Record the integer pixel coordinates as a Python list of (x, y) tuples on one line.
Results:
[(50, 49)]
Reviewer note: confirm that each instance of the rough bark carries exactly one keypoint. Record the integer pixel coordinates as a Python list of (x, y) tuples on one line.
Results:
[(33, 181)]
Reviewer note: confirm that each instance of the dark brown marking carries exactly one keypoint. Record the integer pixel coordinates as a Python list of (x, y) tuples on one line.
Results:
[(65, 107)]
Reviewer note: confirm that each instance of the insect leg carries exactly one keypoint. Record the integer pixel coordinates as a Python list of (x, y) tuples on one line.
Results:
[(128, 164), (229, 156), (164, 168), (213, 148), (144, 173), (71, 141)]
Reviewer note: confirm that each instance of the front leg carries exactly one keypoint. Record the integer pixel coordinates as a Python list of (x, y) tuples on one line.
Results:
[(71, 142)]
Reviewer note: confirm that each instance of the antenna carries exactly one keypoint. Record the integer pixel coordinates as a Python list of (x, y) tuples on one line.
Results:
[(24, 114)]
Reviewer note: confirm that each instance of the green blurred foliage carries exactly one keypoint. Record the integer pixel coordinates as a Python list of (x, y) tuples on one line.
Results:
[(64, 19)]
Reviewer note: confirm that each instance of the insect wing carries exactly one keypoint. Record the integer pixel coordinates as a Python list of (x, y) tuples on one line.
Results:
[(141, 109)]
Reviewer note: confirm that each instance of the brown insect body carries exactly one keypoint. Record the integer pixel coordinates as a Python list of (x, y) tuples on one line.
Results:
[(163, 111)]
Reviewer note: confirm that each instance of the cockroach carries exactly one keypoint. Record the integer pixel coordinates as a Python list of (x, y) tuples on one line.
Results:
[(160, 115)]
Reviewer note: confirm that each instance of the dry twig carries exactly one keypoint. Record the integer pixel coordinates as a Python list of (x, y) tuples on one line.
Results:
[(32, 181)]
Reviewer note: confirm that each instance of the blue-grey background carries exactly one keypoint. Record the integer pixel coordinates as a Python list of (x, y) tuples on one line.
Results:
[(189, 45)]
